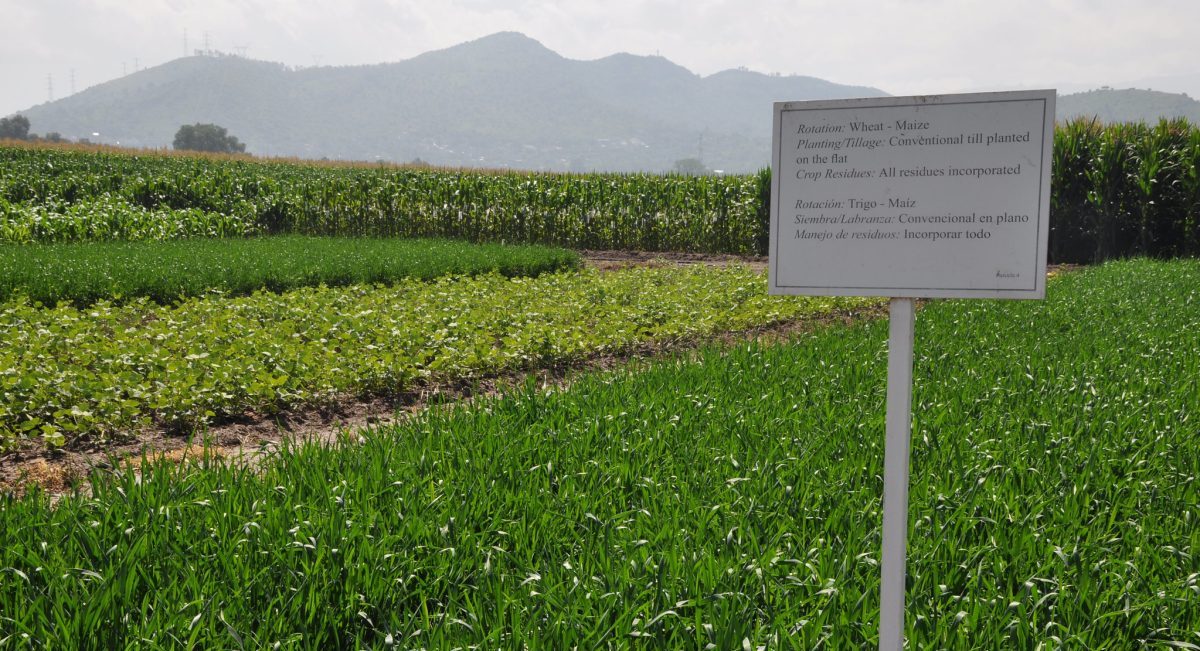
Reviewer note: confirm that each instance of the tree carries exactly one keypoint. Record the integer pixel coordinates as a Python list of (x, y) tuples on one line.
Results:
[(15, 127), (207, 137)]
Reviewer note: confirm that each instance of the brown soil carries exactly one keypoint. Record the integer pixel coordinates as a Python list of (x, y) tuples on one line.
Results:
[(609, 260)]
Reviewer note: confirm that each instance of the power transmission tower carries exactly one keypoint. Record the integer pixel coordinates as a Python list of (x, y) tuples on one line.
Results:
[(50, 86), (72, 81)]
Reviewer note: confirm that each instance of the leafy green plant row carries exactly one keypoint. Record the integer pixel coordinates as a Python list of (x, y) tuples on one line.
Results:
[(68, 372), (731, 501), (110, 217), (167, 271)]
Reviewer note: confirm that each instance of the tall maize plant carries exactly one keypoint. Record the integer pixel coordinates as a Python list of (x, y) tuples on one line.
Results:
[(1072, 214), (1110, 228), (1190, 189), (1161, 197)]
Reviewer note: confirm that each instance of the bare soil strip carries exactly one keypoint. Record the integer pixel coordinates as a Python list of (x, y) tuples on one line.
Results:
[(608, 260)]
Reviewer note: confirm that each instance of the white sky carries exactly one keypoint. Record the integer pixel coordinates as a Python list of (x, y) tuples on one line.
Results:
[(899, 46)]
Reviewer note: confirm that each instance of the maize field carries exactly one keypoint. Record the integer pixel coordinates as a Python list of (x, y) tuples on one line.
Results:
[(1118, 191)]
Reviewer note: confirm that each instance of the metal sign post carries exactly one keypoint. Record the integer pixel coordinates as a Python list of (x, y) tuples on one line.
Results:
[(895, 472), (931, 196)]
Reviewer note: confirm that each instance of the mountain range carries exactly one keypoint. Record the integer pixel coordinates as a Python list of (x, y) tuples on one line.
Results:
[(500, 101), (503, 101)]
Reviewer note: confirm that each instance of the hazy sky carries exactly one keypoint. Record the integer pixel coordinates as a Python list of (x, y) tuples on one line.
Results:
[(900, 46)]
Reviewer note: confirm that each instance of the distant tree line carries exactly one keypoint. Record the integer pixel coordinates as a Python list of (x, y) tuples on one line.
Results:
[(207, 137), (190, 137), (16, 127)]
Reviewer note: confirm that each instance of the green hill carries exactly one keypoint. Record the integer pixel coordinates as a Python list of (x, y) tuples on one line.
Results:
[(1129, 105)]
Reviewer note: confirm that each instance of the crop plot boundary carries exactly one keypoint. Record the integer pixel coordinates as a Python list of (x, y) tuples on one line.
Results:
[(247, 438)]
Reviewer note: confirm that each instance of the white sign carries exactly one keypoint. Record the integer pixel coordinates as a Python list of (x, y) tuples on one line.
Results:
[(930, 196)]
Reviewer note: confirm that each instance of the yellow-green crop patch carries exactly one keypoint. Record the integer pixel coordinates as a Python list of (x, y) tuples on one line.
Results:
[(67, 372)]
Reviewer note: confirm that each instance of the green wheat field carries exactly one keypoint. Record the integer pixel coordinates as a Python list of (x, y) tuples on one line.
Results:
[(727, 498)]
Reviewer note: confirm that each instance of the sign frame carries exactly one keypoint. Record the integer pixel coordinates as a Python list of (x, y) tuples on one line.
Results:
[(905, 107)]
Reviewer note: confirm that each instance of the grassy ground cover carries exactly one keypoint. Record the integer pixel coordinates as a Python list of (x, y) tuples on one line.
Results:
[(731, 501), (166, 271), (68, 372)]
